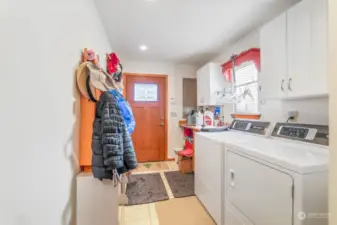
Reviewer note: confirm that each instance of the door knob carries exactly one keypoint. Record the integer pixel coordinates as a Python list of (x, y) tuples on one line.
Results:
[(162, 123)]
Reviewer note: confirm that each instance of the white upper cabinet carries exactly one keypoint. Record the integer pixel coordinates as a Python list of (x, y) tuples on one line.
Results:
[(273, 76), (294, 52), (210, 80), (319, 46), (307, 49), (203, 86)]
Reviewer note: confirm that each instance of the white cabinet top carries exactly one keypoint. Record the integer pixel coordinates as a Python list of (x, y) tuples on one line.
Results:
[(210, 81), (297, 157), (301, 158)]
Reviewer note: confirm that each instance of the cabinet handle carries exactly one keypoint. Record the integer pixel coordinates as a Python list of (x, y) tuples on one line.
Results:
[(289, 84), (282, 83), (232, 178)]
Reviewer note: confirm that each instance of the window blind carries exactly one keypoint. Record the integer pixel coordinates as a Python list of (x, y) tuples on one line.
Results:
[(246, 78)]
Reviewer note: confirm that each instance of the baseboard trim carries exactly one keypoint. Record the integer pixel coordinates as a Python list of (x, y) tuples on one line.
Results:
[(170, 159)]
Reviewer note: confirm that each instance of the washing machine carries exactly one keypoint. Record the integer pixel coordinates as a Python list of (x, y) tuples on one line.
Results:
[(209, 161), (282, 180)]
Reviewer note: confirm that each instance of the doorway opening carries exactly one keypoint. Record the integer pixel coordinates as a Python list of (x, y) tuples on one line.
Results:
[(189, 95)]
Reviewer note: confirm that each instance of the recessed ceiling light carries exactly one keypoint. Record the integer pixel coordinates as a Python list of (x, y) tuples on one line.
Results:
[(143, 47)]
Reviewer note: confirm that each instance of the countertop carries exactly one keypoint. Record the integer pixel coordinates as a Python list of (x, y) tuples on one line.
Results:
[(194, 128)]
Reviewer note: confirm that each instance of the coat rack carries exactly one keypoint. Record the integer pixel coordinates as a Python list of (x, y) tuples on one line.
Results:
[(87, 116)]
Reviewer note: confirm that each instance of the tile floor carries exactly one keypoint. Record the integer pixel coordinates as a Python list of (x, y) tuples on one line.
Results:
[(156, 167), (146, 214)]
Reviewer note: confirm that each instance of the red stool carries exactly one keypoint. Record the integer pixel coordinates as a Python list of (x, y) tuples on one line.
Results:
[(185, 161)]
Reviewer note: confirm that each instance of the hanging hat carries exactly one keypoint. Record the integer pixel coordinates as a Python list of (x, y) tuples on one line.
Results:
[(91, 56), (83, 83), (100, 79), (115, 68)]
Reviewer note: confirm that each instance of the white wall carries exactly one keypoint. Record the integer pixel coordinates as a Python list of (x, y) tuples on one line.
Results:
[(41, 43), (252, 40), (176, 73), (310, 110), (333, 110)]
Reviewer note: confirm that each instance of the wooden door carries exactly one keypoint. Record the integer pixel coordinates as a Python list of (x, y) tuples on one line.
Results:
[(147, 97)]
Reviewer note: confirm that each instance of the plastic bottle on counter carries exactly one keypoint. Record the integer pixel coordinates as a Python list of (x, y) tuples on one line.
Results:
[(194, 118), (200, 119), (208, 118), (189, 119)]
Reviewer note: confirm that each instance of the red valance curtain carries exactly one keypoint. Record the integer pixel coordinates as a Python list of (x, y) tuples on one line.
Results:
[(252, 54)]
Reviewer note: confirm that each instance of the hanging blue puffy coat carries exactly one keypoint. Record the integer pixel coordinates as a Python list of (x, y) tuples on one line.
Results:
[(126, 110)]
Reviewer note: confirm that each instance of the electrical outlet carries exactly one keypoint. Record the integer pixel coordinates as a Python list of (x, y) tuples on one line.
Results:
[(293, 113)]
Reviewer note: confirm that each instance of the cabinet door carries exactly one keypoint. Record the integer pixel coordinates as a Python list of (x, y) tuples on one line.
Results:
[(203, 86), (319, 42), (208, 175), (217, 83), (200, 97), (299, 81), (273, 76), (261, 193)]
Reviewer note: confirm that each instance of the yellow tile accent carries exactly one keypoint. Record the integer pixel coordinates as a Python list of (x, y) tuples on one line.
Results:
[(154, 221), (138, 222), (153, 211), (167, 186), (173, 165), (136, 213), (120, 214), (146, 214)]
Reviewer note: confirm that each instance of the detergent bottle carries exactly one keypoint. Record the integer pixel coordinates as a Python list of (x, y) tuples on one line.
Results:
[(208, 118)]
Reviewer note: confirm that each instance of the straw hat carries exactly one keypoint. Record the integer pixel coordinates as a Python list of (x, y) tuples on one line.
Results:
[(100, 79), (82, 83)]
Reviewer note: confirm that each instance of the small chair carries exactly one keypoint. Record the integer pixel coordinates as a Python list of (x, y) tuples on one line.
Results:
[(176, 151), (185, 161)]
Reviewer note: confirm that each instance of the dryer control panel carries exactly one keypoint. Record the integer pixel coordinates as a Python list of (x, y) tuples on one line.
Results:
[(315, 134), (251, 126)]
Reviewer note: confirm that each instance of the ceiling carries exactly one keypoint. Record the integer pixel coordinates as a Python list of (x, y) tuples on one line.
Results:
[(182, 31)]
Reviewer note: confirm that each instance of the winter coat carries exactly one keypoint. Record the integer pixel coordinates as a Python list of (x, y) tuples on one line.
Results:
[(112, 147)]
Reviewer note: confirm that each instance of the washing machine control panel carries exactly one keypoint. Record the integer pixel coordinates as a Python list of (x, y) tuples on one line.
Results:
[(251, 126), (242, 125), (316, 134), (298, 132)]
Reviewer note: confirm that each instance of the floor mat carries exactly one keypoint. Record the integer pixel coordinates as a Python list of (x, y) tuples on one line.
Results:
[(146, 188), (182, 211), (182, 185)]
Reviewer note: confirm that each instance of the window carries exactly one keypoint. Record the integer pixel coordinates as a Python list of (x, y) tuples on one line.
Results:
[(145, 92), (246, 88)]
